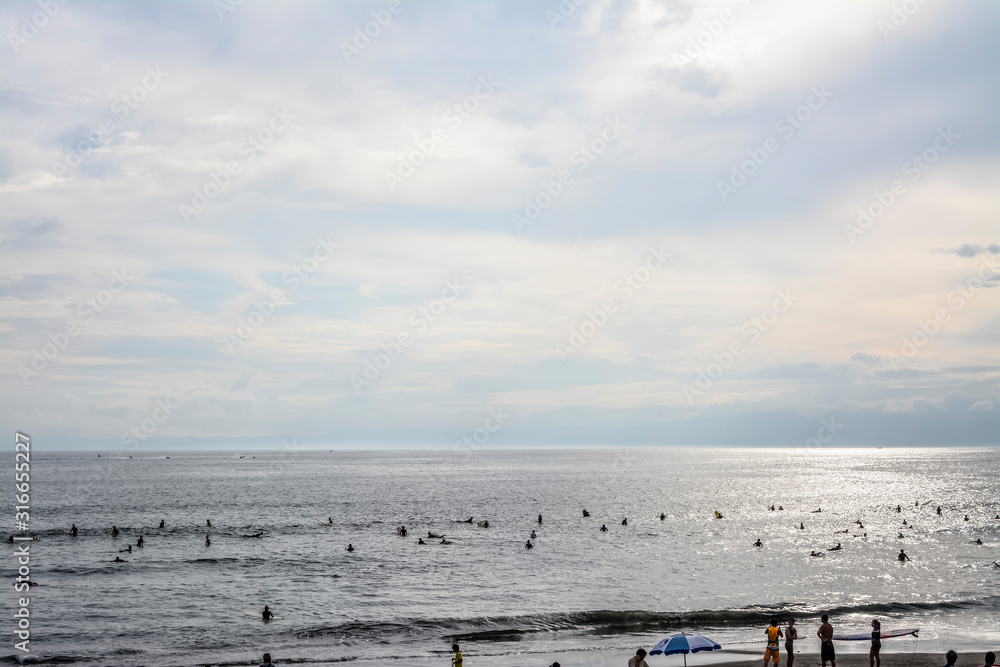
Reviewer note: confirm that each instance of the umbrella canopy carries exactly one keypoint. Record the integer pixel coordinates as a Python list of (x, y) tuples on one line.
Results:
[(684, 643)]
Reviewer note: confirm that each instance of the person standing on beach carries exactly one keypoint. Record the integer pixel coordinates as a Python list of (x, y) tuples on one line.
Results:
[(267, 661), (951, 657), (773, 634), (791, 634), (991, 658), (873, 655), (825, 634), (639, 659), (456, 660)]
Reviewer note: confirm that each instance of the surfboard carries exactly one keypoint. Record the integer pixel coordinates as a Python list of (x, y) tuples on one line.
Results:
[(63, 530), (257, 614), (886, 634), (325, 523)]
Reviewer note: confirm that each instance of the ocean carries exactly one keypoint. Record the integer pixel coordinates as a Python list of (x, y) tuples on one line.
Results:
[(178, 602)]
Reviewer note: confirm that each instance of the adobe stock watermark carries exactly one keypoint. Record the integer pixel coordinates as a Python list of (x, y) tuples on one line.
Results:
[(146, 428), (381, 18), (424, 147), (751, 329), (218, 181), (825, 433), (900, 16), (928, 329), (420, 320), (31, 27), (122, 108), (787, 126), (87, 310), (295, 276), (915, 168), (580, 335), (714, 28), (581, 158), (223, 7), (562, 13), (496, 418)]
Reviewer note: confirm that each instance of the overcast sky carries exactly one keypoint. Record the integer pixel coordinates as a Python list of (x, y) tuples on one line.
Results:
[(606, 222)]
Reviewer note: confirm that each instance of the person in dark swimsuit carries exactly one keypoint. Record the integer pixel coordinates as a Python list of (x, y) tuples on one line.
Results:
[(873, 655), (586, 513), (73, 531), (266, 614), (791, 634)]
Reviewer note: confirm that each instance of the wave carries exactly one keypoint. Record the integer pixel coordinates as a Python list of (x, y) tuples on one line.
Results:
[(610, 622)]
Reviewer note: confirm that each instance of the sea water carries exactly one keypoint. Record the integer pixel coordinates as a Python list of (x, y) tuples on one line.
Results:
[(178, 602)]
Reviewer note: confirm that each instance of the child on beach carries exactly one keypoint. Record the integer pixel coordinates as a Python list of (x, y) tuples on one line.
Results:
[(873, 655), (456, 661)]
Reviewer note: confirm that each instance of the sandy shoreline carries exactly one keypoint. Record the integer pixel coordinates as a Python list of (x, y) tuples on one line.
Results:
[(727, 658)]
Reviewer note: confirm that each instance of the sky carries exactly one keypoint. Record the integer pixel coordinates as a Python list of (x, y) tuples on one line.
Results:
[(465, 225)]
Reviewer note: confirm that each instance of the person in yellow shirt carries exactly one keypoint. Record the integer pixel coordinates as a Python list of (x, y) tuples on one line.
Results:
[(457, 660), (773, 634)]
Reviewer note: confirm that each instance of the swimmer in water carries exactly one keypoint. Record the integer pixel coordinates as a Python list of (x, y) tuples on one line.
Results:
[(816, 554), (126, 550), (939, 510), (114, 531), (139, 542), (208, 542), (836, 548), (329, 519), (255, 535), (118, 559), (904, 522), (208, 523), (802, 526), (434, 536), (529, 545), (350, 547), (902, 557), (625, 522), (898, 509), (539, 519), (73, 531), (966, 517), (662, 516), (780, 508), (586, 513), (533, 536), (979, 541), (604, 528), (758, 543), (266, 614), (771, 508), (443, 541), (161, 523), (486, 524), (901, 537), (420, 540)]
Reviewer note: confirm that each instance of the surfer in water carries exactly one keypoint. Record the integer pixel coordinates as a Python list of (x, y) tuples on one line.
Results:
[(139, 542), (208, 542), (208, 523), (836, 548), (444, 541), (261, 534), (529, 545), (902, 557), (816, 554), (533, 536), (758, 543), (604, 528), (114, 531), (539, 519), (586, 513), (420, 540), (161, 523), (118, 559), (662, 516), (802, 526), (939, 510), (73, 531), (266, 614), (126, 550), (329, 520), (873, 654), (625, 521), (350, 547)]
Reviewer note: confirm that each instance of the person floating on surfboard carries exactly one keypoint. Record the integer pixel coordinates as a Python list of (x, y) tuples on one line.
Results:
[(73, 531), (266, 614)]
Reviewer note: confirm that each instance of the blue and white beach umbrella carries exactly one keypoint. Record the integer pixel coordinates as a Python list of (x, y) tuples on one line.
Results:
[(684, 643)]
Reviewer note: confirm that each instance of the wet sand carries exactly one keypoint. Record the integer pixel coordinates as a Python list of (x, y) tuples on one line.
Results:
[(726, 658)]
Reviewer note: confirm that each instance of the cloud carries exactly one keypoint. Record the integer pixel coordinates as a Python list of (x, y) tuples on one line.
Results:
[(981, 405), (973, 249)]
